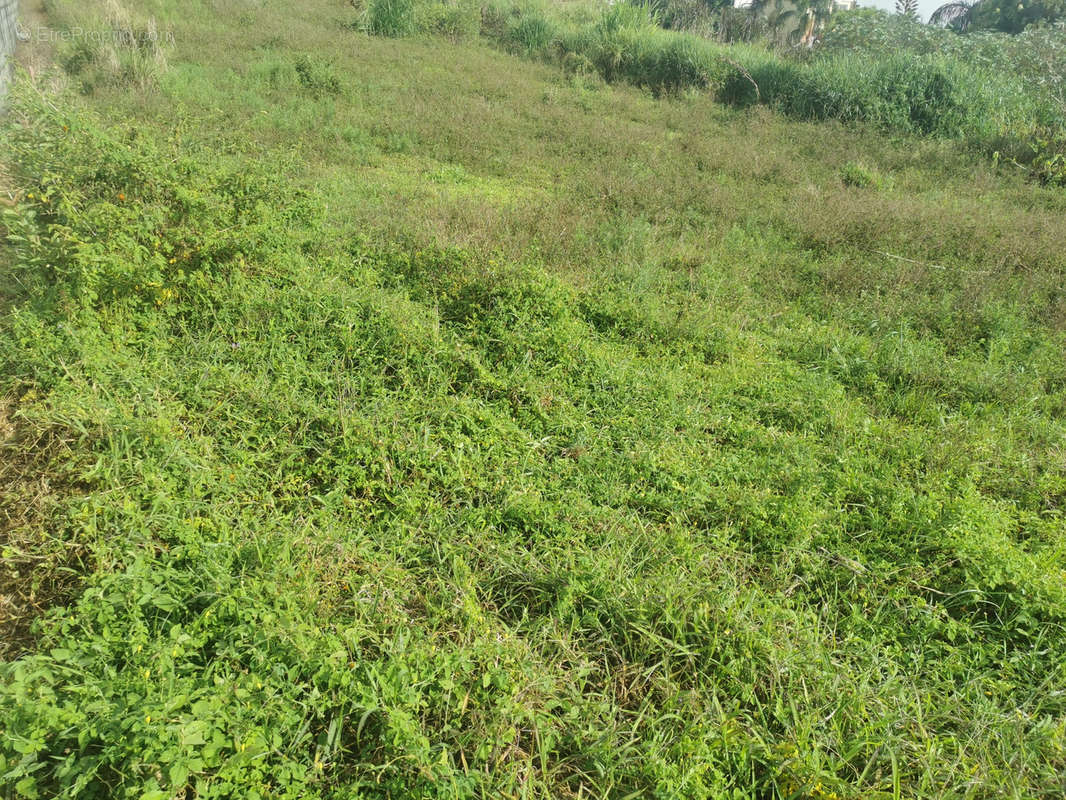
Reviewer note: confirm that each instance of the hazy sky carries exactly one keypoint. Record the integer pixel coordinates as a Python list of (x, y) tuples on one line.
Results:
[(925, 7)]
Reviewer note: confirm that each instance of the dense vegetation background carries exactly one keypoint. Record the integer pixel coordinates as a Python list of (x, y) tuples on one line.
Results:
[(553, 405)]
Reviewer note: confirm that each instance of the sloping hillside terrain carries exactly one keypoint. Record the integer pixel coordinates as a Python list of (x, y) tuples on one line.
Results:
[(404, 417)]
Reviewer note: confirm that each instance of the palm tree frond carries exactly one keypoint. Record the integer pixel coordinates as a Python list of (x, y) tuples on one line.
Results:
[(957, 14)]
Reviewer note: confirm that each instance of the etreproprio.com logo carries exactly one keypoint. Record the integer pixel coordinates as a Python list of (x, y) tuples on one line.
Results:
[(41, 33)]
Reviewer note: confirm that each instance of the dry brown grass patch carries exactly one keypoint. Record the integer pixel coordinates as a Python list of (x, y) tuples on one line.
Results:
[(38, 569)]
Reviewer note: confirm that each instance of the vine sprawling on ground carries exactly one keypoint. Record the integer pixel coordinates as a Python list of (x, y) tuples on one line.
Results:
[(396, 416)]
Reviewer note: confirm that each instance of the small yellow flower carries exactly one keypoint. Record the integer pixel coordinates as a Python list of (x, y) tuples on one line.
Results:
[(148, 719)]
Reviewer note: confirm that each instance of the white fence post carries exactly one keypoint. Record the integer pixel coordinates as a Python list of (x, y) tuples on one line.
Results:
[(8, 38)]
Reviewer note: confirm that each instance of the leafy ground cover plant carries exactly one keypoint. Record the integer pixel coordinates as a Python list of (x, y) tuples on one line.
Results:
[(463, 430)]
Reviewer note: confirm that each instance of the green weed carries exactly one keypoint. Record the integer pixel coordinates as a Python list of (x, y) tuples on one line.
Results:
[(470, 433), (316, 75), (390, 17), (459, 20), (531, 33), (861, 177)]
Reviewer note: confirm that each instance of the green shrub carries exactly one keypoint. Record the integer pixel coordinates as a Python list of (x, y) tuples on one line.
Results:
[(1035, 57), (578, 64), (627, 44), (920, 95), (532, 33), (134, 226), (460, 20), (317, 75), (860, 176), (1048, 162), (693, 16)]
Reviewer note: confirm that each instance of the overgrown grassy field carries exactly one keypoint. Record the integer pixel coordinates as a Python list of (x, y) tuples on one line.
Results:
[(997, 94), (399, 417)]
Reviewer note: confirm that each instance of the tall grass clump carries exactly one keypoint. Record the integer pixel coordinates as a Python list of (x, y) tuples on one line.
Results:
[(625, 42), (453, 19), (111, 44), (390, 17), (920, 95), (532, 33), (859, 176), (457, 20), (1037, 55)]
